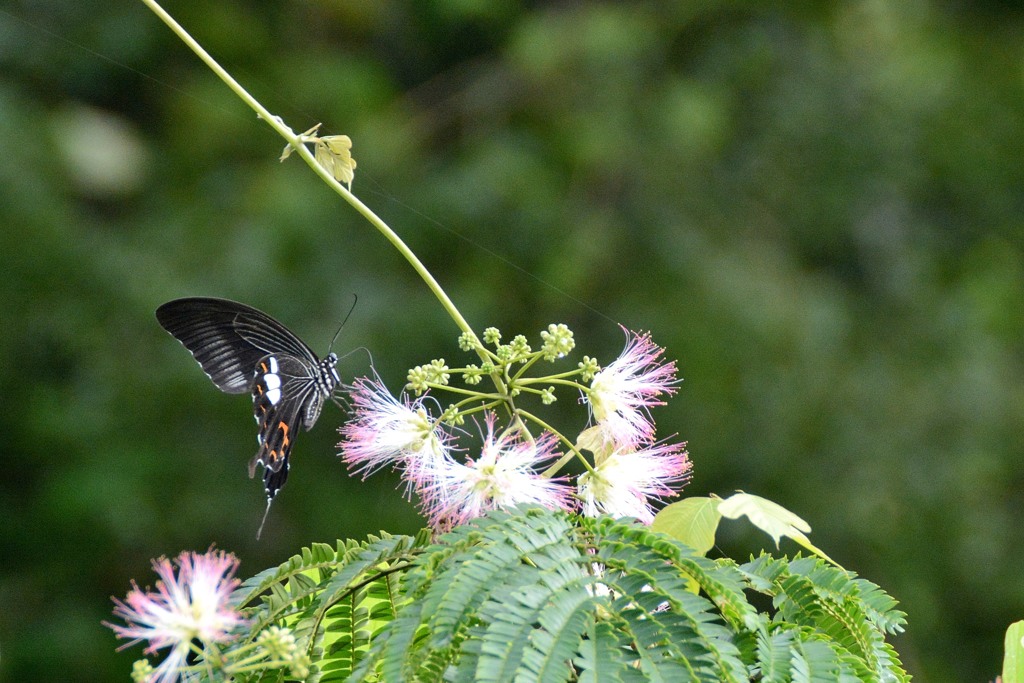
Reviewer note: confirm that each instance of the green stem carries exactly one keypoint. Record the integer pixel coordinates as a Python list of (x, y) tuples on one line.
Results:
[(240, 665), (573, 451), (294, 140), (526, 366), (553, 470), (465, 392), (487, 402), (482, 407), (478, 409), (551, 380), (567, 373)]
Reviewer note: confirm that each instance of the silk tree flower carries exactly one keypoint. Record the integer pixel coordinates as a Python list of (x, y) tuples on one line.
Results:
[(192, 605), (384, 430), (623, 484), (504, 475), (621, 393)]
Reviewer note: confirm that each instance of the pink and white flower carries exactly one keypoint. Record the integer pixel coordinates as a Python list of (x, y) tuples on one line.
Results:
[(621, 393), (624, 484), (190, 605), (504, 475), (385, 430)]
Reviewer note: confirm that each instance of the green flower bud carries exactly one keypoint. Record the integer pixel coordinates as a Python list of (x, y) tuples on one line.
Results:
[(278, 642), (468, 341), (472, 375), (300, 666), (418, 379), (141, 670), (558, 341), (452, 416), (590, 367), (438, 371), (520, 348)]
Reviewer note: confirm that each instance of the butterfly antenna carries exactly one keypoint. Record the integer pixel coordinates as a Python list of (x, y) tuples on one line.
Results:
[(264, 521), (355, 300)]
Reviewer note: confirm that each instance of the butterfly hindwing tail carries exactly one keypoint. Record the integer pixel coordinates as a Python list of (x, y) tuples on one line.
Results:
[(283, 390)]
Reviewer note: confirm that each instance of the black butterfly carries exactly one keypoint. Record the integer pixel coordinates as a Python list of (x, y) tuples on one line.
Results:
[(245, 350)]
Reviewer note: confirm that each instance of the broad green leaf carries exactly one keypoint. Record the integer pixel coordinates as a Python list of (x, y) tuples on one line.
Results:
[(806, 543), (771, 518), (1013, 658), (693, 521)]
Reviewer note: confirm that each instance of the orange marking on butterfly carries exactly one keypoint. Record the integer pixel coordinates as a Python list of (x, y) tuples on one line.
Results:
[(284, 428), (264, 366)]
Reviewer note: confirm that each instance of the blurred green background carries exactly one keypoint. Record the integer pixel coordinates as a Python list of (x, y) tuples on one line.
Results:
[(817, 207)]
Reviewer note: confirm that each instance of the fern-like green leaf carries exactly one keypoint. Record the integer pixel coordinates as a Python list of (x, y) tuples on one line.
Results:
[(535, 595), (815, 662), (831, 604), (775, 655), (603, 656), (535, 632)]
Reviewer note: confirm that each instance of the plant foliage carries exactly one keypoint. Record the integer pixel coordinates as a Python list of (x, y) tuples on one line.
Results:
[(537, 595)]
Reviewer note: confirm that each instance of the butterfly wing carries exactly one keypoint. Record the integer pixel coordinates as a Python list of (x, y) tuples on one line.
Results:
[(228, 338), (243, 349), (285, 391)]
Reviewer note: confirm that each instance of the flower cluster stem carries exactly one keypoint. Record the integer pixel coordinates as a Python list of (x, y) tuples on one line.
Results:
[(573, 451)]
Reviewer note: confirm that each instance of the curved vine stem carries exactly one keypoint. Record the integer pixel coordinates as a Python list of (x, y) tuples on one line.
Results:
[(296, 143)]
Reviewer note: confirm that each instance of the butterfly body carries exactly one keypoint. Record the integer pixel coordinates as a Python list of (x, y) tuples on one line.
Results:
[(243, 350)]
